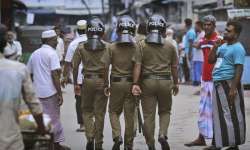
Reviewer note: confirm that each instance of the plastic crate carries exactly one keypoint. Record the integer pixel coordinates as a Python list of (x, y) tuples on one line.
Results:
[(33, 141)]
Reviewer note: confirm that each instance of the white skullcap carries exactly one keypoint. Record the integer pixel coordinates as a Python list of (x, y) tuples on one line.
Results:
[(49, 34), (170, 31), (81, 24)]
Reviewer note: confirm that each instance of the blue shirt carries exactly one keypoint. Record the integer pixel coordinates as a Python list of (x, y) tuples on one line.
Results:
[(228, 57), (190, 35)]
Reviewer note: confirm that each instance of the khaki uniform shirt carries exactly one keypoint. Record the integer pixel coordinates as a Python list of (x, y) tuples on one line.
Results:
[(90, 59), (156, 59), (120, 57), (15, 82)]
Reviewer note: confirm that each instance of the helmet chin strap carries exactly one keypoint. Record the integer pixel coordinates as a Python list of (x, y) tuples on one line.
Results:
[(154, 38)]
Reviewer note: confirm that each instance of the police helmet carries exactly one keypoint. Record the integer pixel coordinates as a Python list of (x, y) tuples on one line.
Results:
[(95, 31), (156, 28), (126, 28)]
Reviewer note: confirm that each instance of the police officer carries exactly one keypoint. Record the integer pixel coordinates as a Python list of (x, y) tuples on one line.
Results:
[(156, 68), (119, 55), (94, 101)]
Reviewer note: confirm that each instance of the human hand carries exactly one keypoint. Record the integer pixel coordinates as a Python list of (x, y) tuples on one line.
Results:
[(107, 91), (175, 89), (60, 99), (218, 42), (231, 96), (136, 90), (77, 89), (64, 82), (41, 129), (190, 56)]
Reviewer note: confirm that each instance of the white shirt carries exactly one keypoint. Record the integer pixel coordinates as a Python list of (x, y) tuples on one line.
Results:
[(198, 54), (41, 63), (13, 51), (70, 53), (60, 48)]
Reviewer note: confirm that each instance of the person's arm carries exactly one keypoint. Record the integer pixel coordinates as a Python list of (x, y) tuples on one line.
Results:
[(197, 45), (66, 70), (76, 62), (212, 56), (136, 73), (174, 72), (137, 59), (68, 63), (32, 102), (190, 49), (56, 74), (236, 81), (106, 80), (55, 69), (239, 60), (106, 60)]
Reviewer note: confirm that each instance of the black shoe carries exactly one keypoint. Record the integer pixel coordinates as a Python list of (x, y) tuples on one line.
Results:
[(164, 143), (233, 148), (90, 145), (117, 143), (98, 146), (128, 147), (151, 147), (211, 148), (57, 146)]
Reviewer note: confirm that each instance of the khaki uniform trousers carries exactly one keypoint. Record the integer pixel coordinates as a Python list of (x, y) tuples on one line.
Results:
[(94, 104), (121, 99), (156, 92)]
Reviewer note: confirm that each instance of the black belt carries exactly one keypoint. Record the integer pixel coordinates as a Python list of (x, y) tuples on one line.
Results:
[(157, 77), (121, 79), (94, 76)]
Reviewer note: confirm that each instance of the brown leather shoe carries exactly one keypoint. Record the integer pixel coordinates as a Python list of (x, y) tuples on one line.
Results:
[(200, 141), (197, 142)]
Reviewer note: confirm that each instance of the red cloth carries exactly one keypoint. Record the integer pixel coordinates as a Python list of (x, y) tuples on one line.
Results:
[(206, 46)]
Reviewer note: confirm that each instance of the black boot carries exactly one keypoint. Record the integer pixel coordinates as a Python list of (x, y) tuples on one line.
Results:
[(128, 147), (233, 148), (151, 147), (164, 143), (117, 143), (98, 146), (90, 145)]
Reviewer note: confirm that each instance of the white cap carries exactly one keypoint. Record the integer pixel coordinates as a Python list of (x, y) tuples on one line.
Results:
[(81, 24), (170, 31), (49, 34)]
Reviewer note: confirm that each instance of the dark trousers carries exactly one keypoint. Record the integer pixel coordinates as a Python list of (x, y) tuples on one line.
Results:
[(78, 109), (186, 69)]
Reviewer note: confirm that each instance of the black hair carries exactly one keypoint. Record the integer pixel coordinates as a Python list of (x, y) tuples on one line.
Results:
[(142, 28), (188, 21), (3, 41), (199, 23), (237, 26), (57, 27)]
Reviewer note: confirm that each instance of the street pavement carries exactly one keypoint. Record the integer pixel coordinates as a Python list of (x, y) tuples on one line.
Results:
[(183, 126)]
